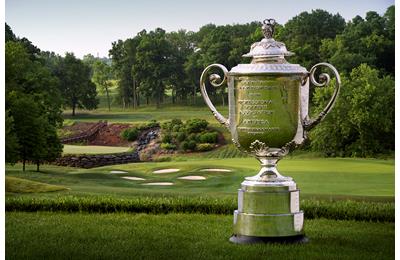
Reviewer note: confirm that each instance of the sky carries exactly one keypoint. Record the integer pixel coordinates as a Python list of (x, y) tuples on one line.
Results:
[(90, 26)]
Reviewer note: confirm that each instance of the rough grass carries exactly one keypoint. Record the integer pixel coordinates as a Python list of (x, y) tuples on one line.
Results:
[(18, 185), (181, 236), (93, 149), (338, 210)]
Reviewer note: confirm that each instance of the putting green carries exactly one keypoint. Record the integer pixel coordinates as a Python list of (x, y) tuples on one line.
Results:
[(93, 149)]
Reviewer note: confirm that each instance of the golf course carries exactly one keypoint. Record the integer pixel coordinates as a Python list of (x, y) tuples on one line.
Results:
[(199, 130), (115, 209)]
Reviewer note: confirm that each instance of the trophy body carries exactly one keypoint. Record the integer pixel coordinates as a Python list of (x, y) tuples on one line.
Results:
[(268, 116)]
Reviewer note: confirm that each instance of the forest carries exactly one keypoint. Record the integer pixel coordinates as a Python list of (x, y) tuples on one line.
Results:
[(157, 67)]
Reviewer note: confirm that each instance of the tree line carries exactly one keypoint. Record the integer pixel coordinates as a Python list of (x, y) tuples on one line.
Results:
[(150, 65), (38, 85), (362, 123)]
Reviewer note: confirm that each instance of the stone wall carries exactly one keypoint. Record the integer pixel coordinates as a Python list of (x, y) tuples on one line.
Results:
[(90, 161), (146, 144)]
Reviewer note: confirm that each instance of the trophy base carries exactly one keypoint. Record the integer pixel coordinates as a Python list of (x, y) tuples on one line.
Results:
[(240, 239), (268, 212)]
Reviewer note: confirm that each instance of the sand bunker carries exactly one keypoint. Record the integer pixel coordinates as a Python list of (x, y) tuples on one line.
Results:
[(215, 170), (167, 171), (159, 183), (193, 178), (133, 178), (116, 172)]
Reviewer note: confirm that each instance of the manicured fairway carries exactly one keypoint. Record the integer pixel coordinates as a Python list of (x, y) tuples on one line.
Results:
[(315, 177), (148, 113), (181, 236), (93, 149)]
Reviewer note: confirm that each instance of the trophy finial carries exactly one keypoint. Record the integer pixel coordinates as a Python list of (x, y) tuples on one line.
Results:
[(268, 28)]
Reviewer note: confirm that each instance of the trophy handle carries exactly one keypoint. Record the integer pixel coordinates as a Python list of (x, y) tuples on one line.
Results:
[(215, 81), (324, 79)]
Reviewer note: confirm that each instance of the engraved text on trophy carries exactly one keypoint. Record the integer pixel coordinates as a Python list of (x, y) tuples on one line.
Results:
[(266, 110)]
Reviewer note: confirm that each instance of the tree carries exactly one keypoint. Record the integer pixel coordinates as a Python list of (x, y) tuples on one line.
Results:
[(11, 144), (152, 63), (28, 125), (31, 77), (75, 85), (9, 35), (33, 103), (374, 36), (303, 34), (362, 122), (53, 148), (181, 48), (101, 77), (123, 54)]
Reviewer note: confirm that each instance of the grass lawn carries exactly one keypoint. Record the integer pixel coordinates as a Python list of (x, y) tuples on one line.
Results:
[(181, 236), (147, 113), (318, 177), (93, 149), (17, 185)]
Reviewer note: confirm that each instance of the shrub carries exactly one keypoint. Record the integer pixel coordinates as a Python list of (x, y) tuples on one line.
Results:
[(180, 136), (177, 128), (204, 147), (152, 124), (166, 126), (146, 155), (185, 145), (209, 137), (176, 121), (188, 145), (192, 145), (168, 146), (130, 134), (193, 137), (167, 138), (196, 125)]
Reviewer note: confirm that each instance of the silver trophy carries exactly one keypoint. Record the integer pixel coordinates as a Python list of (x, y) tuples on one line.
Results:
[(268, 116)]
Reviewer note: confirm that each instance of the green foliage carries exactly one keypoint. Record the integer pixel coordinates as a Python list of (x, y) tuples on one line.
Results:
[(375, 43), (204, 147), (210, 137), (362, 122), (24, 74), (167, 138), (11, 142), (187, 135), (75, 85), (196, 125), (101, 77), (152, 66), (130, 134), (29, 126), (168, 146), (303, 34)]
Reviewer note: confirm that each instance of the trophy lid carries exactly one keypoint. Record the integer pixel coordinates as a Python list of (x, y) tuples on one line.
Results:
[(268, 47), (268, 56)]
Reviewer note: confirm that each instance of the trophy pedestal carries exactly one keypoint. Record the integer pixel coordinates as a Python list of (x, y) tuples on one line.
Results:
[(268, 211)]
